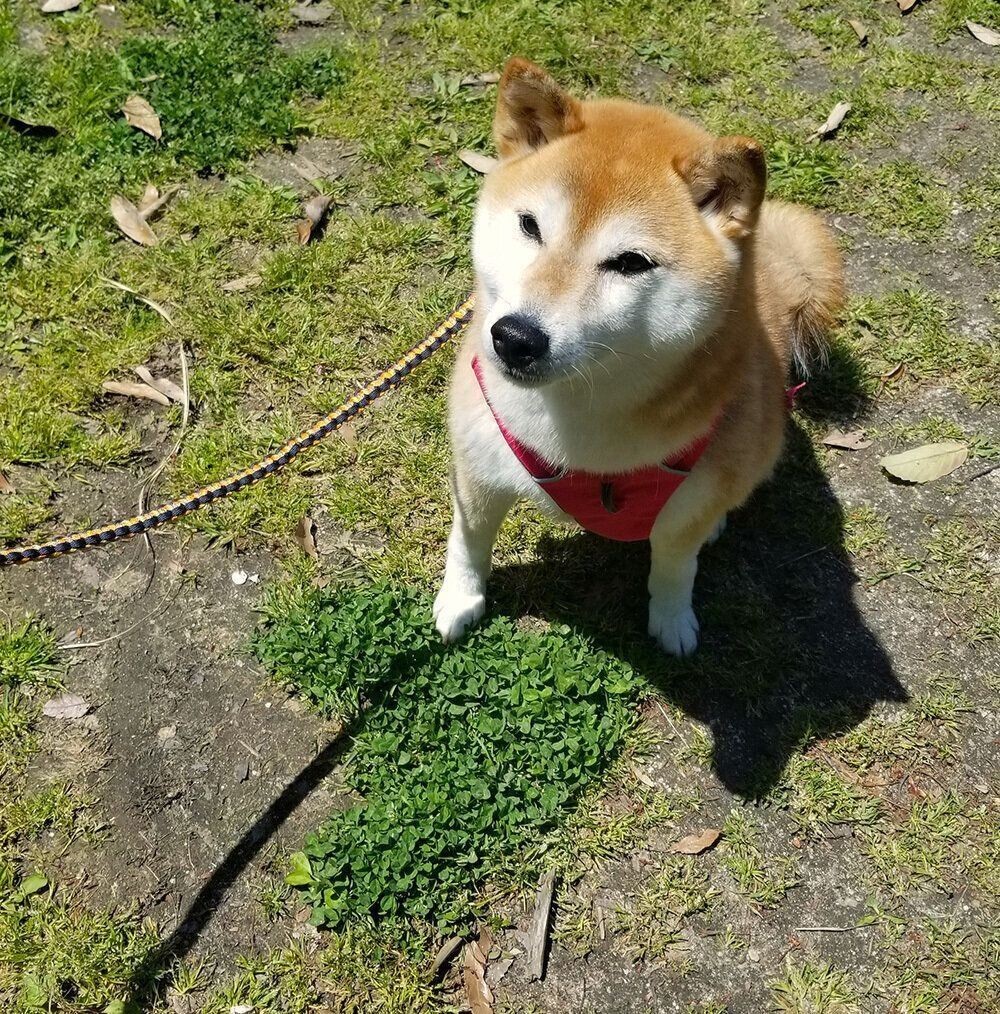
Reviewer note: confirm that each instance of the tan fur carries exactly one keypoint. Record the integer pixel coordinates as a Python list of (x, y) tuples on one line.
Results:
[(780, 285)]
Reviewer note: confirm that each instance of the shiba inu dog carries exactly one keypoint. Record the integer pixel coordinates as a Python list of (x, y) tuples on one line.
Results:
[(639, 307)]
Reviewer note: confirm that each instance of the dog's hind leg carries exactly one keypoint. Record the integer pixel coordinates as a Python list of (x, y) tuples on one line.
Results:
[(461, 600)]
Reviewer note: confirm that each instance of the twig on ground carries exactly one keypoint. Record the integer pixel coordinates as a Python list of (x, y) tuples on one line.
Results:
[(539, 934)]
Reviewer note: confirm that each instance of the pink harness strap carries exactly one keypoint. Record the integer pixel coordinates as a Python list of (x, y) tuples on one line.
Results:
[(622, 506)]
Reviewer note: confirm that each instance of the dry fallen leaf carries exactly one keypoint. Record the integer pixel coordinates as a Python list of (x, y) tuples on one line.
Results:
[(131, 222), (695, 844), (854, 440), (926, 463), (149, 198), (68, 707), (859, 30), (6, 486), (985, 35), (130, 390), (305, 536), (58, 6), (490, 77), (162, 384), (905, 6), (153, 200), (834, 120), (315, 211), (141, 115), (477, 161), (479, 995), (241, 284), (312, 14)]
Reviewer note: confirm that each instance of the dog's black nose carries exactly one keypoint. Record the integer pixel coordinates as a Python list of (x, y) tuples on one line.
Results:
[(519, 343)]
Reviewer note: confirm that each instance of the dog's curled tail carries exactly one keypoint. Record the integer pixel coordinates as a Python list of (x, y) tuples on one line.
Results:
[(798, 256)]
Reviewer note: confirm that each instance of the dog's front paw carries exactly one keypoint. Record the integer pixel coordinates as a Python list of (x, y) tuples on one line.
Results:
[(674, 626), (455, 611)]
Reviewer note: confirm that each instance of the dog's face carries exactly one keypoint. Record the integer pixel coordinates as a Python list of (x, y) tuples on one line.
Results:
[(609, 232)]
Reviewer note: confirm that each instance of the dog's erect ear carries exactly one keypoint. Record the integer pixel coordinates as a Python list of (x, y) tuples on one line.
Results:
[(727, 183), (532, 109)]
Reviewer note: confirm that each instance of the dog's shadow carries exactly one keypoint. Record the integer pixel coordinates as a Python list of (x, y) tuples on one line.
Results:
[(785, 656)]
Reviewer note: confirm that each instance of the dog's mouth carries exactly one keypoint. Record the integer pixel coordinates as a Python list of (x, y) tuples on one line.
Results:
[(532, 376)]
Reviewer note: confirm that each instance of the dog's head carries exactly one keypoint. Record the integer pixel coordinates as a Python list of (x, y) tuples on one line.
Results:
[(608, 232)]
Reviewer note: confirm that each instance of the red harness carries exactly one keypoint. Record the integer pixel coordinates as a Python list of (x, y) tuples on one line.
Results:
[(622, 506)]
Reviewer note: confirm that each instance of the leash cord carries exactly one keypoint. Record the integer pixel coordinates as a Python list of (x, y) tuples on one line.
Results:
[(354, 406)]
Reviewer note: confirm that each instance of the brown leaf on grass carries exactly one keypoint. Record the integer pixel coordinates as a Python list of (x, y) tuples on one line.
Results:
[(67, 707), (315, 211), (242, 284), (695, 844), (988, 36), (477, 161), (834, 120), (490, 77), (305, 537), (162, 384), (859, 30), (153, 200), (141, 115), (312, 14), (129, 219), (58, 6), (149, 198), (26, 127), (479, 994), (6, 486), (927, 462), (905, 6), (854, 440), (151, 303), (129, 390)]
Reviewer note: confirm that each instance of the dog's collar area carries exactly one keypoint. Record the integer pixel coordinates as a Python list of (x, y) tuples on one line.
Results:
[(621, 507)]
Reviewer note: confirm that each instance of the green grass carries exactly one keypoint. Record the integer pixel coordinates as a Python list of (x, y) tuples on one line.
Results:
[(911, 327), (652, 922), (762, 879), (464, 754), (815, 989), (210, 69)]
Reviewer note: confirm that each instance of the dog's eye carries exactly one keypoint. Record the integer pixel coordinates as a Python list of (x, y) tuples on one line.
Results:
[(529, 226), (629, 263)]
